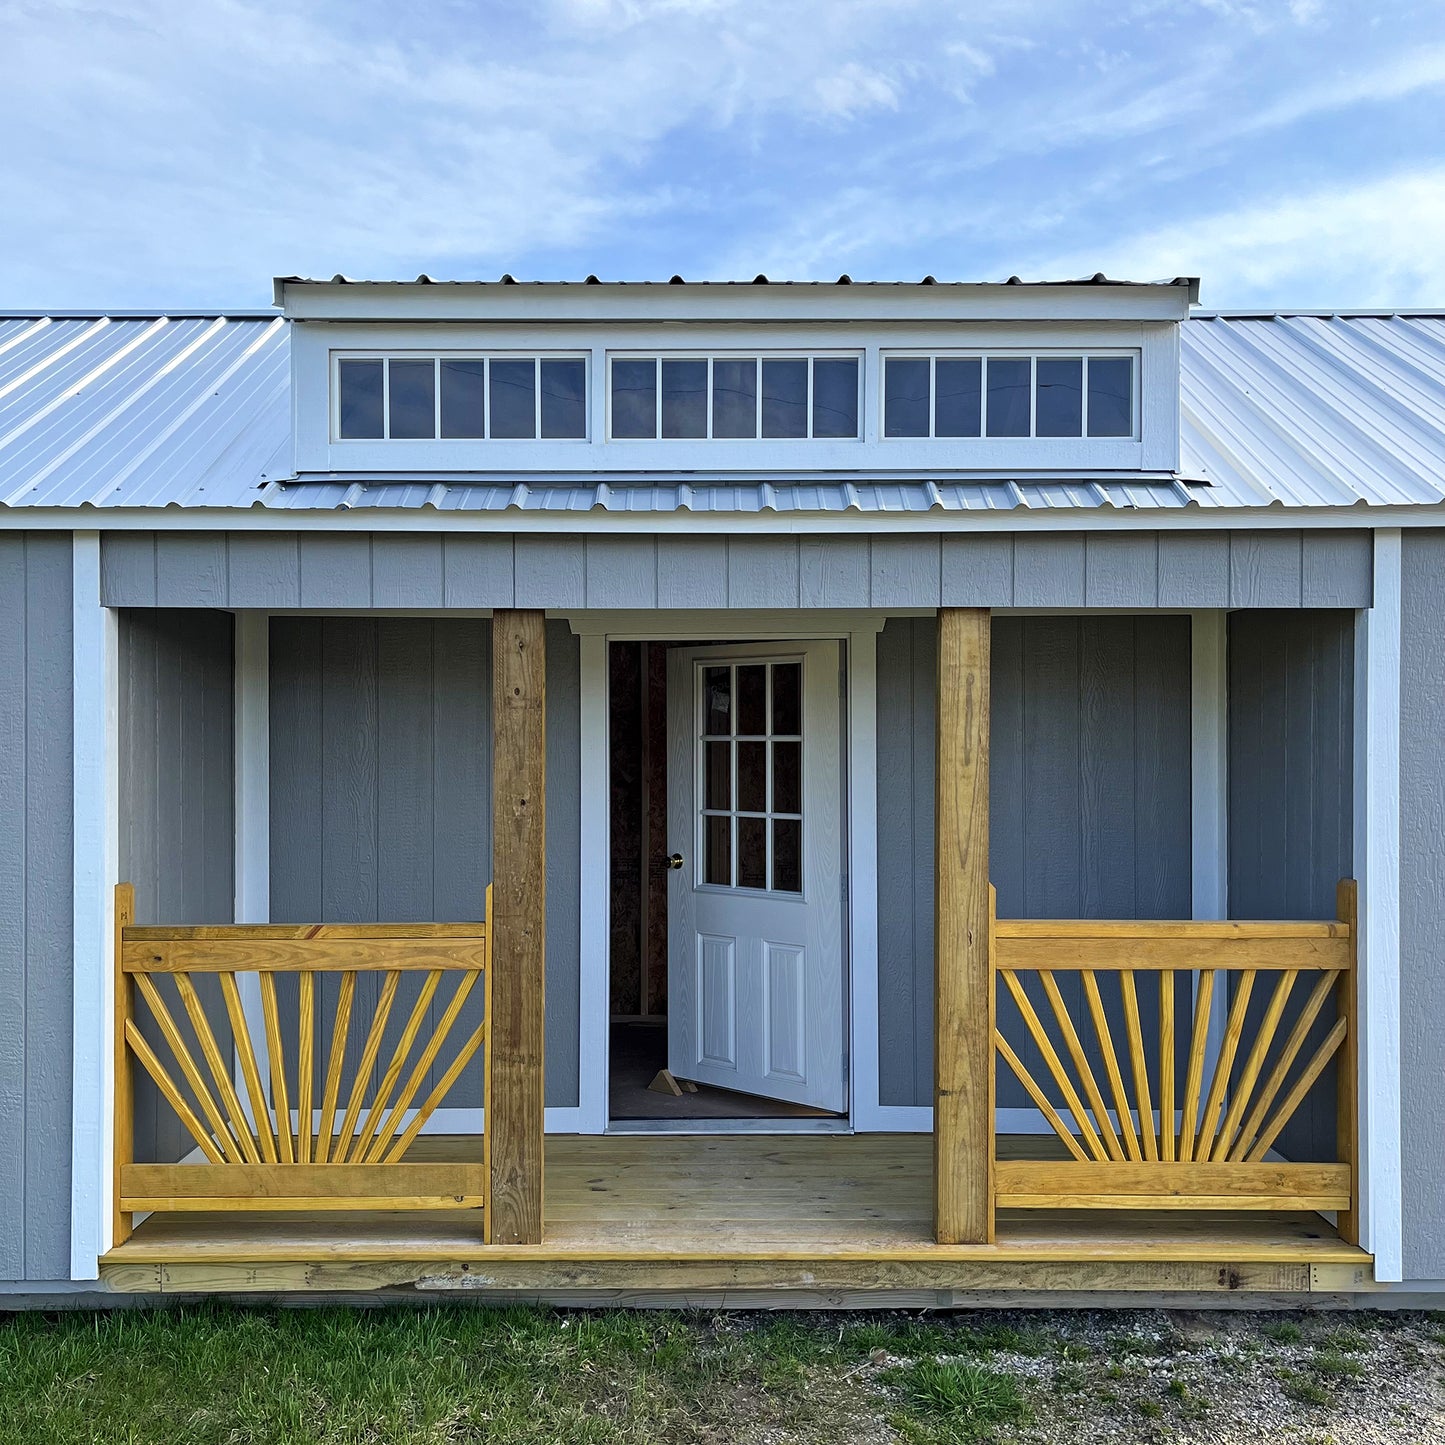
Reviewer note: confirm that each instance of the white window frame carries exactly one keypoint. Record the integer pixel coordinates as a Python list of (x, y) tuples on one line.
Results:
[(755, 353), (1033, 355), (436, 356)]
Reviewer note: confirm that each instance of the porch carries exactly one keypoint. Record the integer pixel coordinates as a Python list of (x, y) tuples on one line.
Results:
[(763, 1215)]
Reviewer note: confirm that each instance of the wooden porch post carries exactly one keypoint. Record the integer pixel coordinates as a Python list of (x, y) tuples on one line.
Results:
[(519, 900), (963, 983)]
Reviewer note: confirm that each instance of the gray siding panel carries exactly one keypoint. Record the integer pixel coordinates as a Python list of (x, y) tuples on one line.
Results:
[(36, 904), (1090, 797), (576, 570), (381, 776), (1422, 901), (176, 804), (1291, 803)]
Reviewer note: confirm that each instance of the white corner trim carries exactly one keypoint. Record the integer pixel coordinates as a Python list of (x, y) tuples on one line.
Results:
[(96, 844), (1377, 867), (595, 867)]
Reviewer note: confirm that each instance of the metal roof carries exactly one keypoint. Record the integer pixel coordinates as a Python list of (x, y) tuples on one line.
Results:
[(1291, 410)]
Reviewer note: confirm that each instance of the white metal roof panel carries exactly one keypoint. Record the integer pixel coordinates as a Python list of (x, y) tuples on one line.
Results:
[(193, 410)]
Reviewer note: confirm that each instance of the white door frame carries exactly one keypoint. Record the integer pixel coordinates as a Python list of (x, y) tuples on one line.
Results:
[(860, 813)]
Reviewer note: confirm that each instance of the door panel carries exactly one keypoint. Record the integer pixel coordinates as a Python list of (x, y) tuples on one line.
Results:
[(756, 966)]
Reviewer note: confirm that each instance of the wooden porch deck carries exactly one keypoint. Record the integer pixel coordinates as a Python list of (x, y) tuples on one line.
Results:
[(663, 1216)]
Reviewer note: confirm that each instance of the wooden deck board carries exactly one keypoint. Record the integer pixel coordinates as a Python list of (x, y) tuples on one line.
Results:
[(741, 1211)]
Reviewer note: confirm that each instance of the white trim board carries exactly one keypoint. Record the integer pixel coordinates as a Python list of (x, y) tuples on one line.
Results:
[(1377, 867), (96, 781)]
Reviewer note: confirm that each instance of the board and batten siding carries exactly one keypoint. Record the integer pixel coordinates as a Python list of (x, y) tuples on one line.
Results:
[(1291, 797), (1422, 902), (381, 796), (36, 903), (176, 808), (430, 571), (1089, 798)]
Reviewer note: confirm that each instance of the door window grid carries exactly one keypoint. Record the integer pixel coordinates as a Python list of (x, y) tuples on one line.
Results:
[(734, 840)]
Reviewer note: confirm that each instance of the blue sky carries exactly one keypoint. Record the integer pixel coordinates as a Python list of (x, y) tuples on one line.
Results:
[(181, 152)]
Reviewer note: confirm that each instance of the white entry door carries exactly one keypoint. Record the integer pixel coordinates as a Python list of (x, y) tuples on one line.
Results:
[(755, 915)]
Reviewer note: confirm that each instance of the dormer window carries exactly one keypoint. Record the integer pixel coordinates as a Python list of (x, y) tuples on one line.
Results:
[(460, 396), (737, 398), (955, 394)]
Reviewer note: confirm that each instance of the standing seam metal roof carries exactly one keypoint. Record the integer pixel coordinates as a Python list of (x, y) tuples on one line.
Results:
[(193, 410)]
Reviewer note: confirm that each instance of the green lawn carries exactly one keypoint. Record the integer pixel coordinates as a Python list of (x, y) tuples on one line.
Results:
[(216, 1375)]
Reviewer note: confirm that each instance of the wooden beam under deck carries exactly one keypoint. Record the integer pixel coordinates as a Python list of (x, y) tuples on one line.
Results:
[(652, 1216)]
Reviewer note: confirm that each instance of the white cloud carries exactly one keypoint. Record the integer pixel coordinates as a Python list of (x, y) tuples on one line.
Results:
[(1376, 243)]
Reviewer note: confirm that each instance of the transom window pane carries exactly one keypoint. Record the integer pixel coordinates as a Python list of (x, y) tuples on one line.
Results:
[(958, 396), (1008, 396), (361, 399), (684, 398), (690, 398), (1060, 404), (785, 398), (1111, 396), (465, 397), (412, 387), (751, 776), (905, 396)]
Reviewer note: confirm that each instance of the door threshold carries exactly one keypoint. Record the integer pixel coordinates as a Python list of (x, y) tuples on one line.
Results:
[(729, 1126)]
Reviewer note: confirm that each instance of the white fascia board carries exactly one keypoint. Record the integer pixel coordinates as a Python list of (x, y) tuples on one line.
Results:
[(263, 518), (574, 301)]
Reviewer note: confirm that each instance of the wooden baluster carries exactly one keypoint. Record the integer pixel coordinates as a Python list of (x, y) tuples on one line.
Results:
[(1111, 1065), (1268, 1027), (305, 1063), (1040, 1098), (1081, 1064), (250, 1070), (1135, 1033), (279, 1094), (220, 1069), (335, 1062), (1194, 1076), (398, 1063), (1168, 1124), (345, 1135), (1297, 1092), (1233, 1032)]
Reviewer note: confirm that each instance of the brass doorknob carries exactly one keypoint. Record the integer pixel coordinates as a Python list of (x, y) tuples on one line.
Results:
[(674, 861)]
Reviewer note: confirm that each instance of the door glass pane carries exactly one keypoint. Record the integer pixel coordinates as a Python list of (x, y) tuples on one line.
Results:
[(360, 400), (905, 396), (787, 777), (958, 384), (787, 705), (735, 397), (463, 397), (717, 851), (513, 399), (1008, 396), (1111, 396), (788, 855), (1059, 408), (835, 396), (717, 701), (717, 775), (752, 695), (752, 852), (564, 399), (785, 398), (753, 777), (634, 399), (684, 399)]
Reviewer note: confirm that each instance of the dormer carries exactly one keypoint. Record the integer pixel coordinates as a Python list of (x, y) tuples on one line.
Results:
[(426, 378)]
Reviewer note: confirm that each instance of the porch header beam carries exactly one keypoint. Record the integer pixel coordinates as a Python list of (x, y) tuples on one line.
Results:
[(963, 1001), (514, 1105)]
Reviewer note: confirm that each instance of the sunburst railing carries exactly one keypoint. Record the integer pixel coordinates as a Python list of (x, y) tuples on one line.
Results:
[(1162, 1107), (270, 1085)]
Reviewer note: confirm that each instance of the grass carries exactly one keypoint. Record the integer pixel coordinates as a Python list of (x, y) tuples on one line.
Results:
[(953, 1400), (217, 1376), (1283, 1332)]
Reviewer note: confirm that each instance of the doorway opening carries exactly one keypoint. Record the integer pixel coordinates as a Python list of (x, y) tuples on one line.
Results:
[(727, 976)]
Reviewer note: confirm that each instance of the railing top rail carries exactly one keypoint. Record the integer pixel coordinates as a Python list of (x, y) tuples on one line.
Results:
[(407, 953), (300, 932), (1126, 928)]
